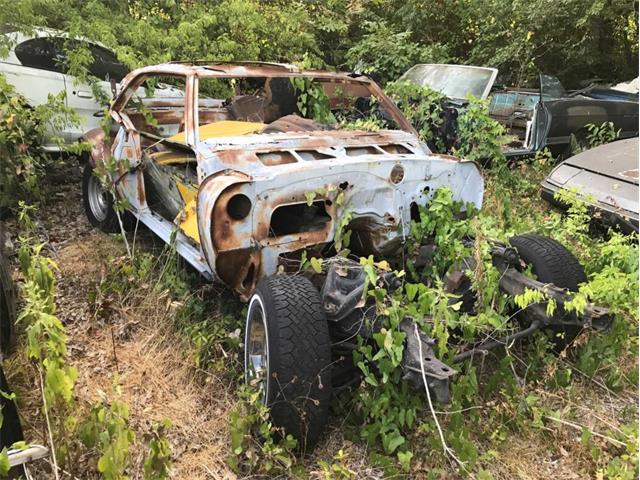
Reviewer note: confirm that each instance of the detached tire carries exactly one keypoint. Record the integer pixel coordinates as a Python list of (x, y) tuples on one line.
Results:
[(7, 308), (288, 355), (98, 204), (551, 262)]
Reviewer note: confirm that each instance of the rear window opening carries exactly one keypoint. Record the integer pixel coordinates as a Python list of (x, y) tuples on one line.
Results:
[(396, 149), (357, 151), (299, 218), (271, 159)]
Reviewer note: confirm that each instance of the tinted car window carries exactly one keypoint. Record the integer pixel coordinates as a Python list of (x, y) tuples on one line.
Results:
[(106, 66), (42, 53)]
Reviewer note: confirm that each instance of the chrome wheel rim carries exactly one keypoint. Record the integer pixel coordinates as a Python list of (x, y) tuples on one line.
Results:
[(98, 199), (256, 359)]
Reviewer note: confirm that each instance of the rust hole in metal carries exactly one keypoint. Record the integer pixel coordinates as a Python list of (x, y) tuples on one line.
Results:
[(239, 206), (397, 174), (414, 212), (298, 218), (344, 185)]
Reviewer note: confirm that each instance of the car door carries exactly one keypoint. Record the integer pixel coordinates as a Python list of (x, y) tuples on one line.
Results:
[(38, 75), (80, 96)]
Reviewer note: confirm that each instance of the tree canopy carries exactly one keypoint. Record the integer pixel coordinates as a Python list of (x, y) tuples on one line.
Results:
[(576, 40)]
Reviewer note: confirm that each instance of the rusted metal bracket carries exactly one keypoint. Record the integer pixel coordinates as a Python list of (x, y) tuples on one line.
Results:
[(436, 372)]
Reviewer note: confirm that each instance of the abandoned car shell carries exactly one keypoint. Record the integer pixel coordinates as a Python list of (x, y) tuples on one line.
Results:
[(251, 191), (246, 189), (606, 177)]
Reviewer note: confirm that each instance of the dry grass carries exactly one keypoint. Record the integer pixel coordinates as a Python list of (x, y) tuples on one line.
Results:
[(130, 343)]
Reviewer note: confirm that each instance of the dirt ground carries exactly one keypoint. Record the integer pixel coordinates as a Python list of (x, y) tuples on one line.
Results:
[(158, 377)]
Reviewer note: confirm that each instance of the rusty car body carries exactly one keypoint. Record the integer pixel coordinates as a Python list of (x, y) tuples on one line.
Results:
[(245, 188)]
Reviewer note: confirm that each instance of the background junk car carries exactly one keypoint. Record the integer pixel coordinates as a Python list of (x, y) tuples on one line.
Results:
[(249, 187), (37, 66), (606, 177), (547, 117)]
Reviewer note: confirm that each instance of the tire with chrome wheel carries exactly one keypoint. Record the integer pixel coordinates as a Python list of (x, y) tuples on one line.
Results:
[(98, 204), (288, 355)]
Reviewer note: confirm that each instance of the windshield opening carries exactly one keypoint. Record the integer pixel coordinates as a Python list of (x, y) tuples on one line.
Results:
[(454, 81), (239, 106)]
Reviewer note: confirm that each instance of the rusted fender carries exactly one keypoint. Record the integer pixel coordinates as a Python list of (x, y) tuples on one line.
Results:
[(100, 146), (230, 266)]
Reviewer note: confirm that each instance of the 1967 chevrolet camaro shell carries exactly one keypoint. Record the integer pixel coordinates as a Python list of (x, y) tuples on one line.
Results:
[(248, 187)]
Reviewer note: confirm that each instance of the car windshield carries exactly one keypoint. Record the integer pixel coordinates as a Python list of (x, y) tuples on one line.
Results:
[(551, 88), (454, 81)]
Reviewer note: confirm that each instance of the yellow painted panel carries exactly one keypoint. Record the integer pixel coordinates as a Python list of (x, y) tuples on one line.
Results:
[(188, 220), (168, 158), (187, 192), (224, 128)]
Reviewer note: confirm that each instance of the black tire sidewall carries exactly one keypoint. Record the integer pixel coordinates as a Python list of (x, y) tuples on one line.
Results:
[(552, 263), (306, 415)]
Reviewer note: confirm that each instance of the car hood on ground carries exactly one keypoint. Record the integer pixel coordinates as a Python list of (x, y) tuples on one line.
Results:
[(607, 176), (616, 160)]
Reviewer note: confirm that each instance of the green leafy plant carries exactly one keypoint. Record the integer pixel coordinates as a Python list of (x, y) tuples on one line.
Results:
[(601, 134), (46, 338), (158, 462), (424, 107), (387, 53), (22, 131), (337, 469), (107, 430), (256, 444), (312, 102), (479, 135)]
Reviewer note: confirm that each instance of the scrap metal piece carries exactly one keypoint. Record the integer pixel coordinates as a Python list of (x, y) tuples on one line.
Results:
[(343, 288), (437, 372), (485, 346)]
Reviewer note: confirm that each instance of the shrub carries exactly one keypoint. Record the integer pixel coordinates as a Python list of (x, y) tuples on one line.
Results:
[(22, 131)]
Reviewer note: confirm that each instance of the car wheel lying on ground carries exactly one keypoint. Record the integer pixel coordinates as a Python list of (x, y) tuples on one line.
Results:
[(552, 263), (246, 189)]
